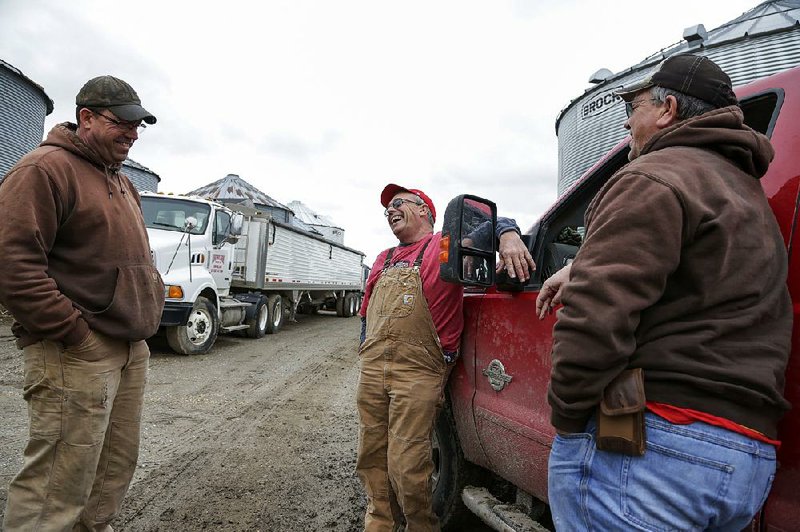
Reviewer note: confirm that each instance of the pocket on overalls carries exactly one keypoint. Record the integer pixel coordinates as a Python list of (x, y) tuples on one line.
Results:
[(435, 357), (399, 300), (42, 389)]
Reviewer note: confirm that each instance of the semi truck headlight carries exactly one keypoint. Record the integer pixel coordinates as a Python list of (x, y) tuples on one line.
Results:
[(173, 292)]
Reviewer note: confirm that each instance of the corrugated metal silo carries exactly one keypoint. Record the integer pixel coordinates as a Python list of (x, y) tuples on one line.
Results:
[(142, 177), (760, 42), (324, 225), (23, 108)]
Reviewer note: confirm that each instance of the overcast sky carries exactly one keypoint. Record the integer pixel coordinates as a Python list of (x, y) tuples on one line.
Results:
[(327, 101)]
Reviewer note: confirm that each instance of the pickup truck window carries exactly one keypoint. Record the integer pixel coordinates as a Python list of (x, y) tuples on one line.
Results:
[(761, 110), (169, 214)]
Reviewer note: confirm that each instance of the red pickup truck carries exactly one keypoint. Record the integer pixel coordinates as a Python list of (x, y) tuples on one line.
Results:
[(496, 421)]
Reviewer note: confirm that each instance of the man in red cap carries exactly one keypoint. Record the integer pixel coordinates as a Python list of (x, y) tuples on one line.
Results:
[(410, 338)]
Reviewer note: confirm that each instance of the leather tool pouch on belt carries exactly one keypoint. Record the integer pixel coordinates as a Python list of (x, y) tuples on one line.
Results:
[(620, 416)]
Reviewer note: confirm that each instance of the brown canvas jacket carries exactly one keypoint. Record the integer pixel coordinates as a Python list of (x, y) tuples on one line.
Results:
[(76, 253), (682, 273)]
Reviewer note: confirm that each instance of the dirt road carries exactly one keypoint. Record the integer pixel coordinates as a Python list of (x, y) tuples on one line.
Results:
[(258, 435)]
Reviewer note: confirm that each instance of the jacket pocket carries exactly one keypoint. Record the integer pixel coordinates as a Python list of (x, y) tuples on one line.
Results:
[(135, 309)]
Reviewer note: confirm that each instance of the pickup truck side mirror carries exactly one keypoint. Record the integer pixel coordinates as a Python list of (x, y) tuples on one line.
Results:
[(467, 253)]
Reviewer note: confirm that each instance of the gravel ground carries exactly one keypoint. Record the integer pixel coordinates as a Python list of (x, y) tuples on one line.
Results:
[(258, 435)]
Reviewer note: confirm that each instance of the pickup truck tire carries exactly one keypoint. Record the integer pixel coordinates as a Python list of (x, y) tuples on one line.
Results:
[(200, 331), (275, 309), (258, 323), (451, 473)]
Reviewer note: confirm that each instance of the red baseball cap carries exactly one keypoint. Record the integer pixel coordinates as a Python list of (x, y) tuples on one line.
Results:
[(391, 191)]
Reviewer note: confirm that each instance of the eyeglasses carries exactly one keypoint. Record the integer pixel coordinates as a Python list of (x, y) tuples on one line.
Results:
[(630, 107), (398, 202), (124, 126)]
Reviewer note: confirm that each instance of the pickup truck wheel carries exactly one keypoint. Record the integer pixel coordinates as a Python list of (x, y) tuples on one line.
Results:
[(450, 472), (200, 331), (258, 323), (275, 309)]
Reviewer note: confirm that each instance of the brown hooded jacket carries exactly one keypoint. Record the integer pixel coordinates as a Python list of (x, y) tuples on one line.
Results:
[(75, 250), (682, 273)]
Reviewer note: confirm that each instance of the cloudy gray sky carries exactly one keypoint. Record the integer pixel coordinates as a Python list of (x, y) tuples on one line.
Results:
[(326, 101)]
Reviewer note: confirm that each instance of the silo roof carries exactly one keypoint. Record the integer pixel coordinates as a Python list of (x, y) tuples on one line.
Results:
[(134, 164), (767, 17), (308, 216), (234, 188), (48, 102)]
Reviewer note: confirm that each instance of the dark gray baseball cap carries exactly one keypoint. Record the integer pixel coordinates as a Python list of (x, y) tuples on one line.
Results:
[(108, 92), (691, 74)]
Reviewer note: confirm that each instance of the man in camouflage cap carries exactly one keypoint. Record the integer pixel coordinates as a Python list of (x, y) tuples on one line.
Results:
[(113, 94), (80, 283), (681, 278)]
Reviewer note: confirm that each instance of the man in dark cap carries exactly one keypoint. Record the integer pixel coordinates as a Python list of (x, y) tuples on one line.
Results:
[(410, 338), (681, 279), (79, 281)]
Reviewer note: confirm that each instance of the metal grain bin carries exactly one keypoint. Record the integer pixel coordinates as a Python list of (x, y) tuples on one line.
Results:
[(321, 223), (763, 41), (142, 177), (23, 108)]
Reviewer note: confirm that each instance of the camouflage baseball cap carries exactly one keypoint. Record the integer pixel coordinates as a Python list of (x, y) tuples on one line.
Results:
[(112, 93), (691, 74)]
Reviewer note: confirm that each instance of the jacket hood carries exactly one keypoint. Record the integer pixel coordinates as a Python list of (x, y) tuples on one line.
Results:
[(65, 136), (722, 131)]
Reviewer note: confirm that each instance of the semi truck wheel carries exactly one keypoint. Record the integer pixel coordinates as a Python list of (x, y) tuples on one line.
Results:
[(350, 303), (340, 307), (451, 473), (199, 333), (275, 308), (258, 323)]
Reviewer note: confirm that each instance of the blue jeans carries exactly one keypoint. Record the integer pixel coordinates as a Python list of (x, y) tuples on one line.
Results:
[(692, 477)]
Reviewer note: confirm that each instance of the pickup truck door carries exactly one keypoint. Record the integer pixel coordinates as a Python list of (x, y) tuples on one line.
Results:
[(512, 350), (512, 369)]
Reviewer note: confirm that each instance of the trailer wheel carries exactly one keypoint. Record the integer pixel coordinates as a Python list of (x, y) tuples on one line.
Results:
[(258, 323), (451, 472), (275, 308), (199, 333), (351, 304), (340, 307)]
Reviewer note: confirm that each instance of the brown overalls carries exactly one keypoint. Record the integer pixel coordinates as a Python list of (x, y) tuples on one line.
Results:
[(400, 390)]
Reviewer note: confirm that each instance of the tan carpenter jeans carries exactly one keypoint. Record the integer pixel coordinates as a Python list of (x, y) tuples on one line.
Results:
[(84, 409)]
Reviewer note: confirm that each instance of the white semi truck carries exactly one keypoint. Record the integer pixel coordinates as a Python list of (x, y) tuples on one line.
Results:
[(227, 270)]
